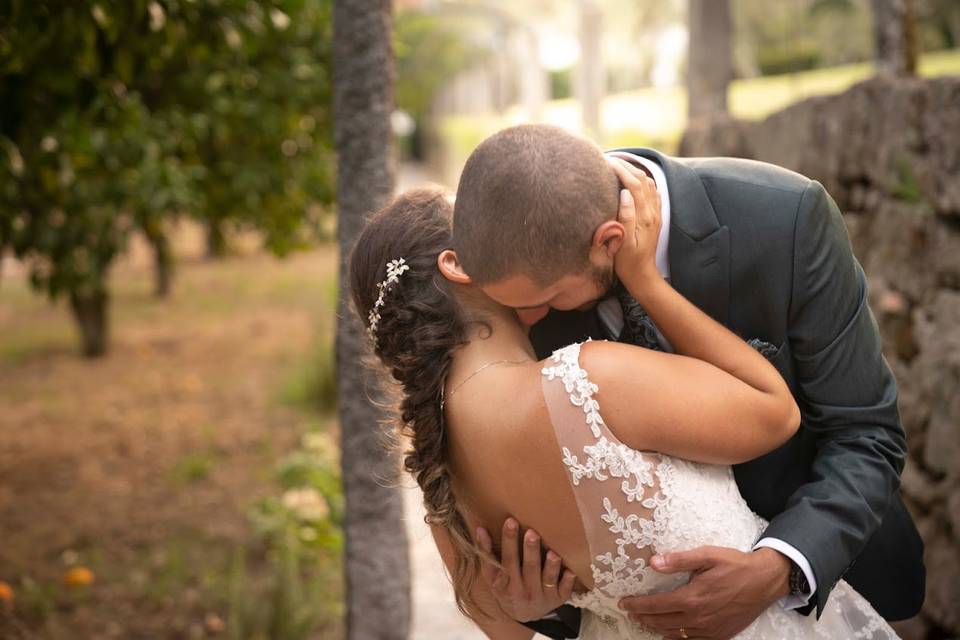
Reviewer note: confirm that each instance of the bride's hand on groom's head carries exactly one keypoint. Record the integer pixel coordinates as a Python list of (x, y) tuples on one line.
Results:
[(524, 587), (639, 213)]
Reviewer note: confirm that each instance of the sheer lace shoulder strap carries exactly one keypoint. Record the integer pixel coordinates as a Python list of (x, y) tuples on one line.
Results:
[(617, 488), (577, 387)]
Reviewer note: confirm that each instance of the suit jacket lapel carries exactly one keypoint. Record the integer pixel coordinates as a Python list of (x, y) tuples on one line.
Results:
[(699, 251)]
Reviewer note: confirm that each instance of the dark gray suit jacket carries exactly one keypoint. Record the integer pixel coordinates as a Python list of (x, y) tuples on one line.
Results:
[(765, 251)]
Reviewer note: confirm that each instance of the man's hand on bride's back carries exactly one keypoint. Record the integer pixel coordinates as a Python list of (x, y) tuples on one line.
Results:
[(524, 587), (639, 213)]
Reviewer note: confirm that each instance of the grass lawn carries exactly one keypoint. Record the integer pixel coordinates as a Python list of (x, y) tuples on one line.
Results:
[(157, 467)]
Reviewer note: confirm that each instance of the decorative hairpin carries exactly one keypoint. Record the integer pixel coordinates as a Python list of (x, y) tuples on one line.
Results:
[(394, 269)]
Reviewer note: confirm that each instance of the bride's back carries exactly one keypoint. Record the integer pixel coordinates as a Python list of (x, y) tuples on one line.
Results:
[(529, 443), (506, 461)]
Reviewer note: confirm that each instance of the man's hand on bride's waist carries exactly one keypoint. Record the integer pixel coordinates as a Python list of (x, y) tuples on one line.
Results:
[(728, 590)]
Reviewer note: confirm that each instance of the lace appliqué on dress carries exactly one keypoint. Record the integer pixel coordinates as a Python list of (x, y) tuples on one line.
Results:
[(616, 572)]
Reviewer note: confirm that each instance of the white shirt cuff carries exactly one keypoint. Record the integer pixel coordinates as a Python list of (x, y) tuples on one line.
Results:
[(791, 601)]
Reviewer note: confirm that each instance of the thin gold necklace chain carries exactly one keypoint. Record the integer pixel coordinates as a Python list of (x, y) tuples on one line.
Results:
[(444, 395)]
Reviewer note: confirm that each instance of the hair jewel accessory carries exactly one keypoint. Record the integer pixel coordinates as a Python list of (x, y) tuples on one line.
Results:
[(394, 269)]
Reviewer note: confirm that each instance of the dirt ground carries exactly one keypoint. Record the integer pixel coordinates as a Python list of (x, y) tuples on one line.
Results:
[(144, 466)]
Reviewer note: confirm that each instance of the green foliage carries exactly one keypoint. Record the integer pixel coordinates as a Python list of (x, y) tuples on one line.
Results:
[(780, 37), (818, 6), (293, 603), (301, 530), (170, 572), (66, 217), (312, 496), (117, 115), (193, 468), (430, 49), (75, 138), (938, 24), (36, 600), (802, 56), (561, 83), (313, 385), (786, 37), (906, 187), (257, 94)]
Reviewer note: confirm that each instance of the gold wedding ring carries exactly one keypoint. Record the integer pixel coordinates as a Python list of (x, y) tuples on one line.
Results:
[(549, 586)]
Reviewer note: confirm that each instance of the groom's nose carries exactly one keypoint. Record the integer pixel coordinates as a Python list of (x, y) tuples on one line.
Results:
[(530, 317)]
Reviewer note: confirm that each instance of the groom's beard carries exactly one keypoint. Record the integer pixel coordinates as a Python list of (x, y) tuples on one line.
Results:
[(604, 279)]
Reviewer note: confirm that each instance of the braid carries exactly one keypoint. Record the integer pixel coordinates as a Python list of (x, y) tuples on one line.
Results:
[(420, 326)]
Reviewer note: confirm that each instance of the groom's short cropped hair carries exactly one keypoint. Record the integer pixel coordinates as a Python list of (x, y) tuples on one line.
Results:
[(529, 200)]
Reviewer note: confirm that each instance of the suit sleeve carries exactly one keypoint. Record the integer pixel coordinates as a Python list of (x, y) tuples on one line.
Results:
[(847, 397)]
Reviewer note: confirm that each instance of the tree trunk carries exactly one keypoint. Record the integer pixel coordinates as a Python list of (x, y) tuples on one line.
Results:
[(710, 59), (591, 77), (90, 313), (162, 261), (377, 561), (216, 239), (895, 37)]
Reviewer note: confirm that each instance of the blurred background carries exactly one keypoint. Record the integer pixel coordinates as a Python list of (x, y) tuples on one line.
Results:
[(179, 180)]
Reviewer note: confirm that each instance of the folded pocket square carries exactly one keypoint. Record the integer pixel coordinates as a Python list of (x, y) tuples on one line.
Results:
[(766, 349)]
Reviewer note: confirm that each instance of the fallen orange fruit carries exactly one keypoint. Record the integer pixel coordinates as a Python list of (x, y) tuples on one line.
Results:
[(6, 592), (78, 577)]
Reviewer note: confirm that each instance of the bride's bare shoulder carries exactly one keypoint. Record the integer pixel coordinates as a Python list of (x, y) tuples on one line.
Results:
[(606, 361)]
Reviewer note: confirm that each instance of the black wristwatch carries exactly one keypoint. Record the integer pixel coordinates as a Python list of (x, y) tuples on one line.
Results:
[(798, 581)]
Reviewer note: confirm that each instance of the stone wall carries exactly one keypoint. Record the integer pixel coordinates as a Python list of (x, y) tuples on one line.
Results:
[(888, 151)]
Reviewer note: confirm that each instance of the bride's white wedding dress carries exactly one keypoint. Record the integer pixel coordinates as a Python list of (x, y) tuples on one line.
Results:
[(633, 504)]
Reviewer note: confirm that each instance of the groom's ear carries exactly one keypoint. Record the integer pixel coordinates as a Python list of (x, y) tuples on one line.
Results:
[(450, 267), (607, 239)]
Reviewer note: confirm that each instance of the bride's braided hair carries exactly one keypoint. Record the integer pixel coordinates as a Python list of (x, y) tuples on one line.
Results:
[(420, 326)]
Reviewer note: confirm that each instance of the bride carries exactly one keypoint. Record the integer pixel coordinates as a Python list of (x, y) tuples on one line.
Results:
[(612, 453)]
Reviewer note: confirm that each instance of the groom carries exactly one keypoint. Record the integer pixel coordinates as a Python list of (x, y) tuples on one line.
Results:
[(765, 252)]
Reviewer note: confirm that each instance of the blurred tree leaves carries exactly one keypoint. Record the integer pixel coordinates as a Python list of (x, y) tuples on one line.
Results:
[(773, 38), (795, 35), (430, 50), (121, 115)]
